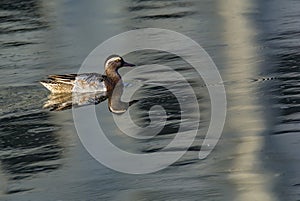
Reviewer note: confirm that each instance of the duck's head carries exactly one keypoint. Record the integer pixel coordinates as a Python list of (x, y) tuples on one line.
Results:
[(114, 62)]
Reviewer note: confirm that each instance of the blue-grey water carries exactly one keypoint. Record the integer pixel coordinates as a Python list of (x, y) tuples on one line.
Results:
[(255, 45)]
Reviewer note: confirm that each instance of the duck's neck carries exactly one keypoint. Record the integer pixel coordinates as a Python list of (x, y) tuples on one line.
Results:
[(114, 77), (113, 74)]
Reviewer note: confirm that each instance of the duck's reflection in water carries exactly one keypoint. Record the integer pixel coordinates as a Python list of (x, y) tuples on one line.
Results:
[(64, 101)]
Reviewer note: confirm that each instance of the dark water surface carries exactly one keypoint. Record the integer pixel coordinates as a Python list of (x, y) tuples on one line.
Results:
[(255, 45)]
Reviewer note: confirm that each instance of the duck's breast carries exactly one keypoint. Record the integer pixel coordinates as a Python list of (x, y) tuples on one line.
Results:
[(89, 82)]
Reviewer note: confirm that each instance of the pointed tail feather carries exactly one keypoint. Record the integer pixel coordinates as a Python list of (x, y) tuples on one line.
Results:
[(57, 87)]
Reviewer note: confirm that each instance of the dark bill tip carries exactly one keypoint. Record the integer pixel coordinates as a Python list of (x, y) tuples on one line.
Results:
[(128, 64)]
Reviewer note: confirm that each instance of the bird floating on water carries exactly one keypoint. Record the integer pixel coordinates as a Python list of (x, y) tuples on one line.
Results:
[(77, 90), (88, 82)]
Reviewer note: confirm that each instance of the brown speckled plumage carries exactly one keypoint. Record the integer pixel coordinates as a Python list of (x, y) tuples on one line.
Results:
[(59, 83), (90, 82)]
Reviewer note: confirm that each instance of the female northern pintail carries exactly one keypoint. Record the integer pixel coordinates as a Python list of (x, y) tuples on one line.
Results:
[(88, 82)]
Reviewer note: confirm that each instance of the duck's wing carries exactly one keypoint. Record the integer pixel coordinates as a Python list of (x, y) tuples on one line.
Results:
[(68, 83), (90, 77), (66, 79), (70, 78), (59, 83)]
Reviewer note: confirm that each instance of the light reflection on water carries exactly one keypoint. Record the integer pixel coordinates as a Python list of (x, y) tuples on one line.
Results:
[(246, 120), (40, 152)]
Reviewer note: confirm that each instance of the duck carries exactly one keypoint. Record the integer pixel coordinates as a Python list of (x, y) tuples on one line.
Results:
[(88, 82)]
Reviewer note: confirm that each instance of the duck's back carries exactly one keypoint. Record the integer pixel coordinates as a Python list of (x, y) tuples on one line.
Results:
[(81, 83)]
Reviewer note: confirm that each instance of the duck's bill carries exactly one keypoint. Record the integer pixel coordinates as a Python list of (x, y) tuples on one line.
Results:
[(128, 64)]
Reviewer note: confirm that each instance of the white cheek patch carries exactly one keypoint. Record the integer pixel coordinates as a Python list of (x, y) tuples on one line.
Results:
[(112, 59)]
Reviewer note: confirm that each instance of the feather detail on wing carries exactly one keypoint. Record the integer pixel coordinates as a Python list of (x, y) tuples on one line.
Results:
[(60, 83), (66, 79), (68, 83)]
